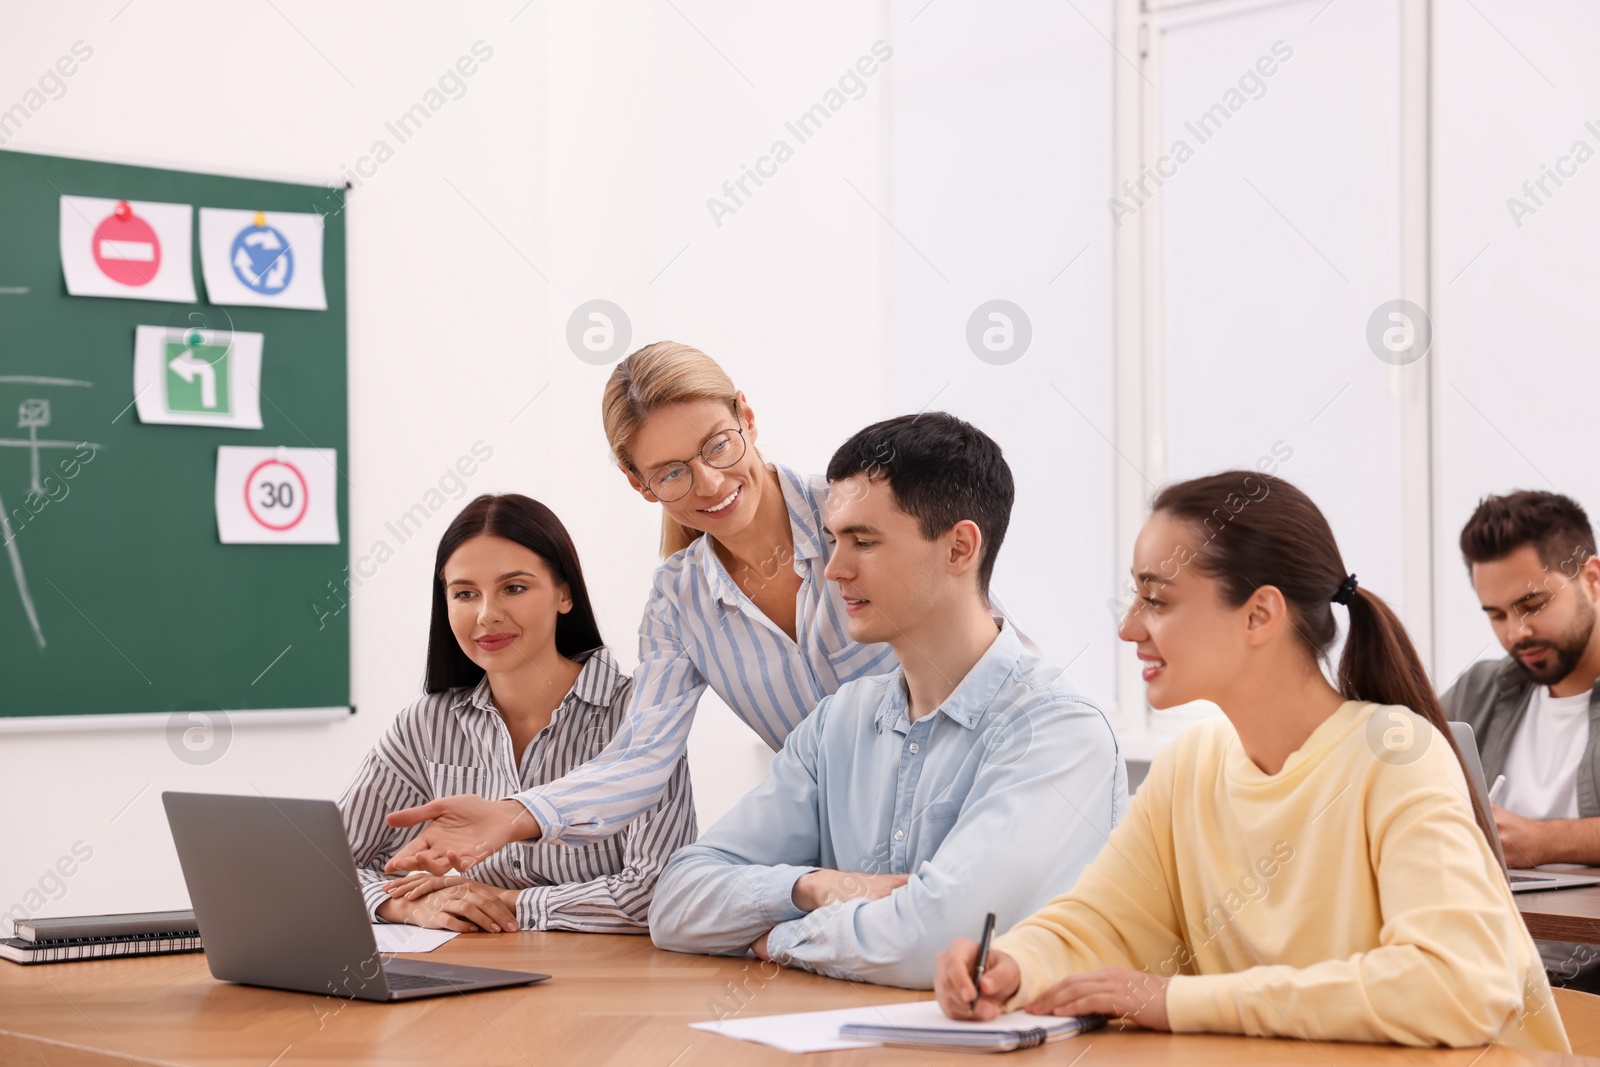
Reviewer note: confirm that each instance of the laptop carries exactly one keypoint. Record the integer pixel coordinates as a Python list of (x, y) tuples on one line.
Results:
[(1522, 881), (278, 904)]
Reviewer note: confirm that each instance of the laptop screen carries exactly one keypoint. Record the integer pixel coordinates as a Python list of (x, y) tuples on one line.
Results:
[(1468, 745)]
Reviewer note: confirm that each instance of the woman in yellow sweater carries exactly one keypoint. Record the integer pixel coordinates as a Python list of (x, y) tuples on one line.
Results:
[(1308, 865)]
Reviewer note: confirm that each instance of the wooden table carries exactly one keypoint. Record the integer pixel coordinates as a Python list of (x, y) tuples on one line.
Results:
[(614, 1001), (1564, 914)]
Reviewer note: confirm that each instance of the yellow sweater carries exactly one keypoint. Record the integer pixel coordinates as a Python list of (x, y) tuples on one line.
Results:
[(1348, 897)]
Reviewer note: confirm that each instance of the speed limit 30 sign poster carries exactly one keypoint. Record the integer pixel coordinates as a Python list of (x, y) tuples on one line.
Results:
[(285, 496)]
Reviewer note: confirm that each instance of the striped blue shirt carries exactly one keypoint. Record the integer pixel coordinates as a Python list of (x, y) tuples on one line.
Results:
[(701, 629)]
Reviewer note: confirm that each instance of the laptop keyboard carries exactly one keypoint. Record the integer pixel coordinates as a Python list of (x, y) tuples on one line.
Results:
[(422, 981)]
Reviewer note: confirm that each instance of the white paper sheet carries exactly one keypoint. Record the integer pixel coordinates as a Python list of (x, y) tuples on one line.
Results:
[(394, 937), (267, 259), (191, 377), (812, 1031), (268, 496), (818, 1031), (143, 256)]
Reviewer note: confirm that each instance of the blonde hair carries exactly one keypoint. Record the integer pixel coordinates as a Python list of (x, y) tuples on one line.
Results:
[(651, 378)]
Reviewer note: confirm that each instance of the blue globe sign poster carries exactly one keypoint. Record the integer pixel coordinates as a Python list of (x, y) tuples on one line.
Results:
[(262, 258)]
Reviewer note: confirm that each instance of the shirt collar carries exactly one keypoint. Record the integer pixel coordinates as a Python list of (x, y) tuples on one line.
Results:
[(972, 696), (478, 696), (599, 679), (1511, 678), (597, 684), (803, 497)]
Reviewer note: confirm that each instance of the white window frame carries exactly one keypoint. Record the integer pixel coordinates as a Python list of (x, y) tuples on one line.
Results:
[(1137, 341)]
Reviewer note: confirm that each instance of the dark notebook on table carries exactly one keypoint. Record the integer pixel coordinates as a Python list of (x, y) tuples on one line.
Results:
[(59, 939)]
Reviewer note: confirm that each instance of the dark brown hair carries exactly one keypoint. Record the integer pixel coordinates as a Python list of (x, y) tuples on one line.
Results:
[(534, 527), (940, 471), (1261, 531), (1554, 524)]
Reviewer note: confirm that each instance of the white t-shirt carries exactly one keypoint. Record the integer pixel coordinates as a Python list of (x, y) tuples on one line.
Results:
[(1542, 766)]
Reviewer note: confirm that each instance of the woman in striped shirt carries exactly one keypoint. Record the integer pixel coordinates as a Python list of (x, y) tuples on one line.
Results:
[(745, 610), (520, 693)]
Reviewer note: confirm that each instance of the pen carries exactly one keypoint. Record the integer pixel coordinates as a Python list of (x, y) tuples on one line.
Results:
[(983, 961), (1494, 790)]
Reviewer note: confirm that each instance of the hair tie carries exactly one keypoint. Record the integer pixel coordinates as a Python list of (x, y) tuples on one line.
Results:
[(1346, 591)]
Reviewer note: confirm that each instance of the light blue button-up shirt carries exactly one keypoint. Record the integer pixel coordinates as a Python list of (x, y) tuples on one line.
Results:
[(993, 802)]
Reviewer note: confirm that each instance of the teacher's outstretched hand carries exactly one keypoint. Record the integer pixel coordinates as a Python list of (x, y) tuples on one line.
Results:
[(461, 831)]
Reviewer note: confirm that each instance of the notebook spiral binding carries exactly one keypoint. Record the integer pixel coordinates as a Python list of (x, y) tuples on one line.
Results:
[(1031, 1038), (116, 939)]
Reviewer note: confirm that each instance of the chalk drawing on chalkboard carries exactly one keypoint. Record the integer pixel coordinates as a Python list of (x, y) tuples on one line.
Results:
[(33, 415)]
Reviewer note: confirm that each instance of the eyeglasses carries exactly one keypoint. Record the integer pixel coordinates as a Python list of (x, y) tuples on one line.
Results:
[(722, 450)]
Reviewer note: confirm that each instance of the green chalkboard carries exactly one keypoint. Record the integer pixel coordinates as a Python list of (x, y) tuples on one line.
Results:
[(137, 607)]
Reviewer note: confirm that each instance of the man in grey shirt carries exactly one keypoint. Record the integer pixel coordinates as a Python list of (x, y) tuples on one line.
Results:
[(1531, 557), (972, 779)]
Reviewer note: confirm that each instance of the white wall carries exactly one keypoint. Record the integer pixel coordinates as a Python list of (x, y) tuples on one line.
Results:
[(1517, 85), (1002, 165), (577, 166), (1280, 237)]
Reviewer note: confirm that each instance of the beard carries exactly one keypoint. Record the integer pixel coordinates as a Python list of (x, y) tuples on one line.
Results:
[(1565, 651)]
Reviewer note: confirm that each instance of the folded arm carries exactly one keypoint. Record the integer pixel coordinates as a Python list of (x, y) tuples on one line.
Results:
[(722, 894), (1069, 779)]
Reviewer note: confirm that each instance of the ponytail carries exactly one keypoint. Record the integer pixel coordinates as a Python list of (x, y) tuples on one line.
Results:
[(1381, 665)]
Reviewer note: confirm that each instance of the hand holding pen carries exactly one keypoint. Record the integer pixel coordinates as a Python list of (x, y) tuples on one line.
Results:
[(983, 961)]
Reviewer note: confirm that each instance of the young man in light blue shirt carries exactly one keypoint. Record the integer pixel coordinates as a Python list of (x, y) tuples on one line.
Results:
[(972, 779)]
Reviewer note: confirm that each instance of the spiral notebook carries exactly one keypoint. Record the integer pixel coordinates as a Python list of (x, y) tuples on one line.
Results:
[(930, 1028), (61, 950), (919, 1024)]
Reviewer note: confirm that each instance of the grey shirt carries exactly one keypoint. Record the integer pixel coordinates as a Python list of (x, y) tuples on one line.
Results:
[(1492, 697)]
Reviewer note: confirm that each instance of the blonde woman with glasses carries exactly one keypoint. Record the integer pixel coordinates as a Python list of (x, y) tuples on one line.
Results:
[(739, 604)]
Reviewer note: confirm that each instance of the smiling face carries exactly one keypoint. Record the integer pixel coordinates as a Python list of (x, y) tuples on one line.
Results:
[(719, 502), (503, 600), (1191, 645), (1543, 619), (892, 578)]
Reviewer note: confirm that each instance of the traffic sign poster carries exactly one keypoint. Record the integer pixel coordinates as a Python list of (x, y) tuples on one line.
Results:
[(269, 259), (286, 496), (135, 249), (193, 377)]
